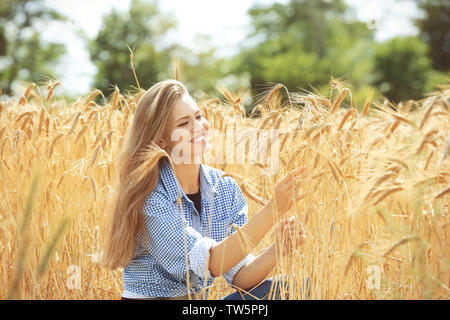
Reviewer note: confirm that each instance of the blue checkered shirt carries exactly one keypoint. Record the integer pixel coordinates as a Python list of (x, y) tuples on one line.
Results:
[(158, 268)]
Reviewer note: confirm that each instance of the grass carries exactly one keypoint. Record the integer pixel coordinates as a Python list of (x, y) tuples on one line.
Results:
[(378, 196)]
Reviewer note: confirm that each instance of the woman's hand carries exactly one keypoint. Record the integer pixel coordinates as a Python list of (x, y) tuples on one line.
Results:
[(228, 252), (285, 190), (289, 235)]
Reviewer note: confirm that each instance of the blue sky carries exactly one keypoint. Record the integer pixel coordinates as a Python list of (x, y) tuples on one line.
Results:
[(225, 21)]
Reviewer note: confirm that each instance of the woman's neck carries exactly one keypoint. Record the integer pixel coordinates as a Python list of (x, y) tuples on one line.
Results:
[(189, 177)]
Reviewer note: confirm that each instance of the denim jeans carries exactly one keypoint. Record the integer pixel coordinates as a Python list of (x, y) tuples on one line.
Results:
[(258, 292), (262, 291)]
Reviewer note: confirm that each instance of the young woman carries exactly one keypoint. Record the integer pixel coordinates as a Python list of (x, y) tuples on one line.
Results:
[(173, 228)]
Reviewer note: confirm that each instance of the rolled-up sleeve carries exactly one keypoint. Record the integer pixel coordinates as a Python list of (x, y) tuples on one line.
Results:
[(238, 217), (169, 242), (199, 256)]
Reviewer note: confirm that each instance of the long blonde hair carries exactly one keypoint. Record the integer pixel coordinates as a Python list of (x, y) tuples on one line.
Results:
[(147, 128)]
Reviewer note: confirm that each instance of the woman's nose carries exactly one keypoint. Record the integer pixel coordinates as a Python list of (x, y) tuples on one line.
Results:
[(200, 125)]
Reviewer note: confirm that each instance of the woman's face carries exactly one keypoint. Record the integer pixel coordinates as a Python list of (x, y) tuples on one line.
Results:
[(186, 135)]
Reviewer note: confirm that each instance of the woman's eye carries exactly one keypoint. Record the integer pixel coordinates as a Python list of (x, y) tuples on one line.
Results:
[(185, 123)]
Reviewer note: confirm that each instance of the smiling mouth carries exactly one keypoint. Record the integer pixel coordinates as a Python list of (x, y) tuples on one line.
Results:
[(199, 139)]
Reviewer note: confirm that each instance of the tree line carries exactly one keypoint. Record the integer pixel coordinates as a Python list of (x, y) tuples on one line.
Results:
[(300, 44)]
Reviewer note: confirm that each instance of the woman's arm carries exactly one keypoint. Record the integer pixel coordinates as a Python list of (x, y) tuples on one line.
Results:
[(231, 250), (289, 235), (256, 270)]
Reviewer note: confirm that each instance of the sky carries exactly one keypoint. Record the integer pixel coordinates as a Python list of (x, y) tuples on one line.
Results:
[(225, 21)]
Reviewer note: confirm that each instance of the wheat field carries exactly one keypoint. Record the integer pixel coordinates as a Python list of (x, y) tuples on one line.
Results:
[(376, 212)]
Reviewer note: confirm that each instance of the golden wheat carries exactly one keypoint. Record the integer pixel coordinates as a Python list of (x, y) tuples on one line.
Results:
[(372, 182)]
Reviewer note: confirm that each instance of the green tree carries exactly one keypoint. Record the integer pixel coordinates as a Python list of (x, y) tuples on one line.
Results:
[(434, 27), (201, 70), (143, 29), (402, 68), (23, 54), (303, 42)]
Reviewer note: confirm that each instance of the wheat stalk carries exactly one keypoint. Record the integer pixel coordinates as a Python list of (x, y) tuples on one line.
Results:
[(367, 103), (115, 98), (25, 96), (442, 193), (429, 137), (51, 88), (252, 196), (94, 156), (345, 118), (54, 143), (427, 113), (149, 158), (94, 93), (132, 67), (387, 193), (339, 100), (401, 242), (369, 164), (74, 122), (353, 256)]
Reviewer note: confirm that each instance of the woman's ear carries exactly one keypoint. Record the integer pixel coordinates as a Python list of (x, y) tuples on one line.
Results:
[(162, 143)]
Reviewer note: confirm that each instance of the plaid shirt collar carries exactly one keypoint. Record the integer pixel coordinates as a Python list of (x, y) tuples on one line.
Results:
[(168, 178)]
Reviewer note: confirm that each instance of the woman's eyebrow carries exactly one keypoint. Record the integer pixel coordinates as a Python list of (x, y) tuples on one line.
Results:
[(198, 111)]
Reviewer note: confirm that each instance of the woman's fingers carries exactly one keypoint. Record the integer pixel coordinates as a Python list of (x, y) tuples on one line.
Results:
[(283, 190), (297, 175), (288, 177), (292, 174), (290, 192), (291, 186), (302, 233), (295, 181), (294, 228), (301, 196), (292, 233), (288, 198)]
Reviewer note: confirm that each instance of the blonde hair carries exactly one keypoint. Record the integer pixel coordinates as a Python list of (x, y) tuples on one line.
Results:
[(147, 128)]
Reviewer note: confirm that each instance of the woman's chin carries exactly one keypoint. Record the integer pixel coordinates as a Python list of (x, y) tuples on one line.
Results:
[(195, 155), (200, 150)]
